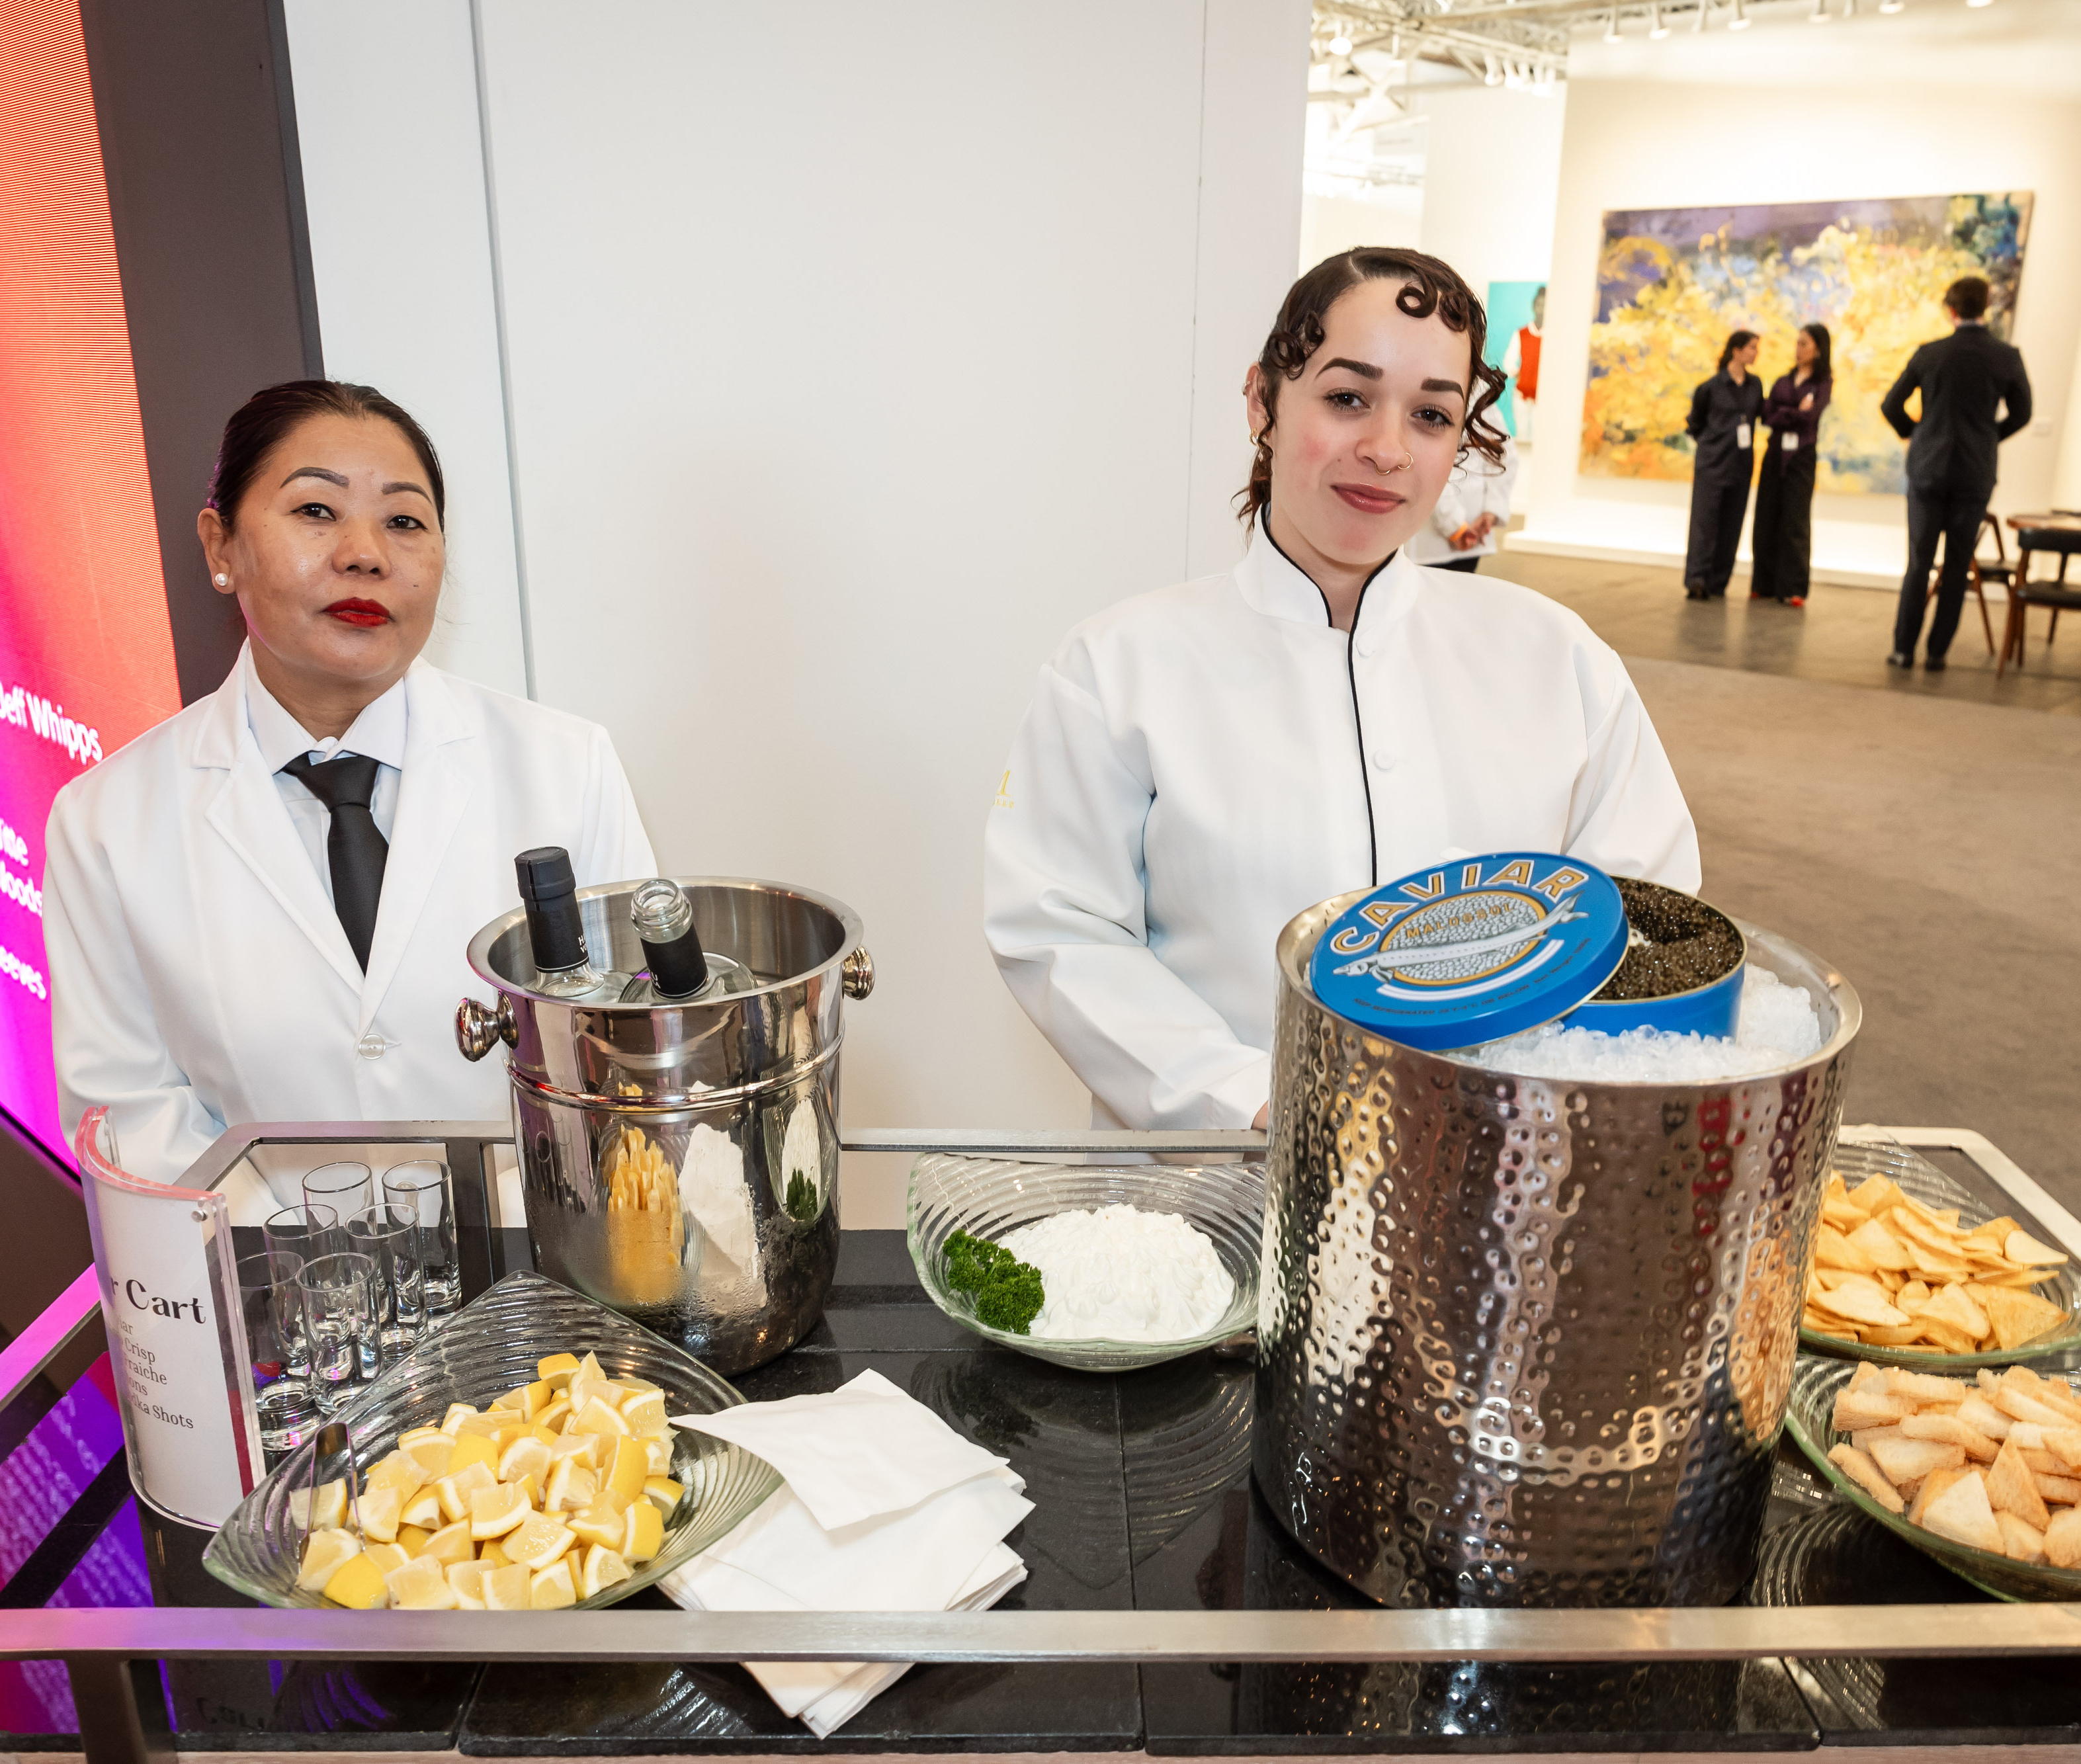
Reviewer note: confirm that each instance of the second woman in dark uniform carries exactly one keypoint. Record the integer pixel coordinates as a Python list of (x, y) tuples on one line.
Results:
[(1722, 422), (1783, 541)]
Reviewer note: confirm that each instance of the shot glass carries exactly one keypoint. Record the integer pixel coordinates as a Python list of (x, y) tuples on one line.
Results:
[(346, 1188), (389, 1237), (424, 1187), (302, 1234), (272, 1306), (339, 1312)]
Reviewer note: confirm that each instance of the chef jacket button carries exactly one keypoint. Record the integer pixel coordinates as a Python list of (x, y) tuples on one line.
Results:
[(371, 1046), (1383, 762)]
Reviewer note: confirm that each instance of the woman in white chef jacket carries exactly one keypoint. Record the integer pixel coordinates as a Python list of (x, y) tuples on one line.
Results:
[(1203, 762), (224, 946)]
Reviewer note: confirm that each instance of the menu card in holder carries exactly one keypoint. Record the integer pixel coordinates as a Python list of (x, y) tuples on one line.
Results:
[(176, 1335)]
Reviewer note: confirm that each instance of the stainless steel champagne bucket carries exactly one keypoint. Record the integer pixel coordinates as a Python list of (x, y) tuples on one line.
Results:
[(1525, 1342), (680, 1163)]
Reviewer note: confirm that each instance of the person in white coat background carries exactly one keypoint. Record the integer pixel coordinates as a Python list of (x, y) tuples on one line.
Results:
[(259, 910), (1202, 763), (1472, 509)]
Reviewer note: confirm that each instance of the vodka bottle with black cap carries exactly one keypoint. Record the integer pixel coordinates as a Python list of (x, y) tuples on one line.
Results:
[(564, 967), (680, 968)]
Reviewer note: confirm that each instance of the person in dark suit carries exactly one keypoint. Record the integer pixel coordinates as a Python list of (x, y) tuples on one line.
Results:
[(1722, 421), (1783, 537), (1975, 395)]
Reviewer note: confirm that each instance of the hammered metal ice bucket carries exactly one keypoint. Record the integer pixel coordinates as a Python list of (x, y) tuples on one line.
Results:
[(731, 1099), (1525, 1342)]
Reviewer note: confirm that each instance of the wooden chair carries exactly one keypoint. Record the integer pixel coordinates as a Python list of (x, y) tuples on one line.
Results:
[(2025, 593), (1980, 571)]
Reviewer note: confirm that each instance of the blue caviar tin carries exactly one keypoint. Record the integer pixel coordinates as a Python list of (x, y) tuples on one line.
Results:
[(1713, 1008), (1472, 950)]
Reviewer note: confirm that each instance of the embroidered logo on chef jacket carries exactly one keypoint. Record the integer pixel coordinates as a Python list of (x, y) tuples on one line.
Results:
[(1472, 950)]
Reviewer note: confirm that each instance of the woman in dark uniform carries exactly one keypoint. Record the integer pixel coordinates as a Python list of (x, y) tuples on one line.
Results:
[(1783, 541), (1723, 416)]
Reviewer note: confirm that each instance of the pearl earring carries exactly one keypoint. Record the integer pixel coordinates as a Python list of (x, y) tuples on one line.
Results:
[(223, 581)]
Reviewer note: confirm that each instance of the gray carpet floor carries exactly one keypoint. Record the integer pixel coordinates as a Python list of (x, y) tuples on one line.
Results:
[(1927, 841)]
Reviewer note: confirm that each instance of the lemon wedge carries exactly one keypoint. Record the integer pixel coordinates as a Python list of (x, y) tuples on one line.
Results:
[(457, 1413), (433, 1458), (555, 1370), (455, 1489), (467, 1578), (663, 1493), (550, 1422), (583, 1446), (397, 1471), (552, 1588), (539, 1540), (328, 1509), (423, 1510), (412, 1539), (450, 1544), (631, 1470), (493, 1555), (495, 1511), (565, 1492), (526, 1456), (645, 1413), (418, 1436), (644, 1533), (475, 1423), (472, 1448), (358, 1584), (379, 1508), (506, 1588), (588, 1368), (601, 1522), (322, 1556), (596, 1416), (385, 1556), (658, 1451), (421, 1584), (603, 1569)]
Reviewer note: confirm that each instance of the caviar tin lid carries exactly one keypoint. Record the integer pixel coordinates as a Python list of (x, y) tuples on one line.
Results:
[(1472, 950)]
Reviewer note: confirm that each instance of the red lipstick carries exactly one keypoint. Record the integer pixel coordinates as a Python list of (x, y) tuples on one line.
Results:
[(365, 613)]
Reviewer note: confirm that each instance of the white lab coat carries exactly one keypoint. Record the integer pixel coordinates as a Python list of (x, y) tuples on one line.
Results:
[(200, 975), (1201, 763), (1477, 486)]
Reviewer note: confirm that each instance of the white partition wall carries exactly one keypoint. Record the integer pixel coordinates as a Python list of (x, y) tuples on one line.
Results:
[(852, 355)]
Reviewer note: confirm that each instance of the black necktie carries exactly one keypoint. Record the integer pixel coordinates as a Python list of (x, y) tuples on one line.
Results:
[(355, 846)]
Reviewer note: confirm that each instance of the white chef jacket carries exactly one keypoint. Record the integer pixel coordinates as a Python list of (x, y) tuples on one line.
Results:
[(379, 732), (200, 975), (1479, 486), (1201, 763)]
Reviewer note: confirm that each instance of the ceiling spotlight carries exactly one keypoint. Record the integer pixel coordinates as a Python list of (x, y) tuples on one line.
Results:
[(1341, 43), (1979, 2), (1891, 6), (1542, 83), (1493, 76), (1740, 21), (1819, 14), (1655, 27), (1612, 29), (1698, 17)]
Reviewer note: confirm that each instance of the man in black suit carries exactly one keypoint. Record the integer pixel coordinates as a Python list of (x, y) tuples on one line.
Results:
[(1964, 379)]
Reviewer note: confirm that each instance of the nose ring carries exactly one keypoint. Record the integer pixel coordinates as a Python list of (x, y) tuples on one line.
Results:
[(1408, 461)]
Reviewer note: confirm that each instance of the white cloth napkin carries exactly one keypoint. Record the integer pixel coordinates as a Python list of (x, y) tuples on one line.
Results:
[(865, 1449), (926, 1515)]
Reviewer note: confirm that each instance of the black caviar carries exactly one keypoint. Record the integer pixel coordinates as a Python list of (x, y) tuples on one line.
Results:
[(1689, 944)]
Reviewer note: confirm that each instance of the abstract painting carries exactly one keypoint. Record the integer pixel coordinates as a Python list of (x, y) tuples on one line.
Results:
[(1672, 282)]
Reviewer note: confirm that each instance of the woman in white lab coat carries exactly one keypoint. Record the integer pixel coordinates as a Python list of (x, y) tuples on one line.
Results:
[(233, 942), (1203, 762), (1473, 508)]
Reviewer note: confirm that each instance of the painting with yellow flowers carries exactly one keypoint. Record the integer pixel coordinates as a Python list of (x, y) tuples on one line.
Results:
[(1671, 283)]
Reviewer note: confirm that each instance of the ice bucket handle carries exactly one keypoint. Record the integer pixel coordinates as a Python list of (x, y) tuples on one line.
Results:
[(857, 973), (479, 1027)]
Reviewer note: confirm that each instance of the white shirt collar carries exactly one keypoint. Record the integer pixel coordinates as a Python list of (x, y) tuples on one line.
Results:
[(1274, 585), (379, 732)]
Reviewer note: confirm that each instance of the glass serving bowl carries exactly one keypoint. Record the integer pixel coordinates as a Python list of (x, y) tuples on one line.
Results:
[(1923, 1180), (1814, 1384), (988, 1197), (489, 1346)]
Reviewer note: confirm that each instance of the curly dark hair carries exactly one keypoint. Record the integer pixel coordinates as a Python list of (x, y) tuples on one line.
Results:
[(1429, 285)]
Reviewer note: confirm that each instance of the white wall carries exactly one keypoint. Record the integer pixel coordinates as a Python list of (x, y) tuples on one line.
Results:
[(852, 356), (1790, 114), (387, 119), (1492, 180), (1392, 214)]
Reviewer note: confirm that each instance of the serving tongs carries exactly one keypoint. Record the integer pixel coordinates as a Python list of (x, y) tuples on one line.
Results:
[(331, 1449)]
